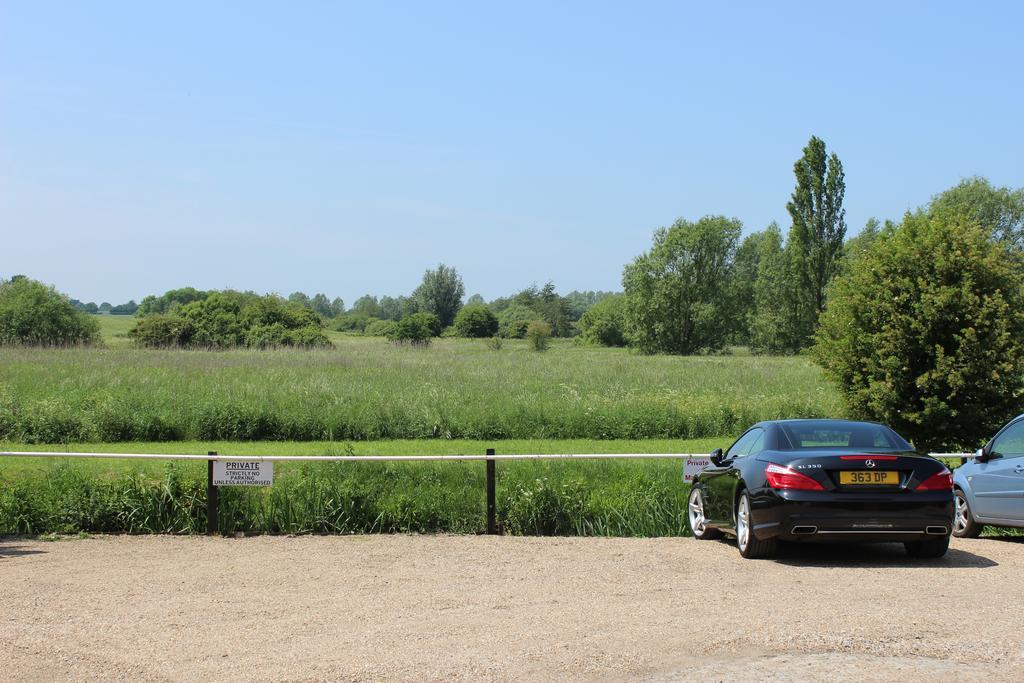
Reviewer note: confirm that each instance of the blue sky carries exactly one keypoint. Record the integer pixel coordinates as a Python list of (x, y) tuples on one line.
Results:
[(345, 148)]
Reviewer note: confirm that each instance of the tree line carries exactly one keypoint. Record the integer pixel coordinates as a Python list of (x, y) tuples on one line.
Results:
[(128, 308)]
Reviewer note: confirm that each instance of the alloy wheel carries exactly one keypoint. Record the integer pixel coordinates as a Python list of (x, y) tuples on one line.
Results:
[(960, 518), (696, 513), (743, 523)]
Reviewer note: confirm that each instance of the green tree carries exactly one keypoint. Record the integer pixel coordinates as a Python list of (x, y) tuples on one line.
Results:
[(744, 283), (321, 304), (774, 325), (367, 305), (416, 329), (819, 220), (815, 241), (604, 323), (579, 302), (169, 300), (34, 314), (999, 210), (926, 331), (396, 308), (440, 293), (300, 298), (337, 307), (677, 294), (555, 310), (476, 320), (538, 335), (475, 299), (125, 309)]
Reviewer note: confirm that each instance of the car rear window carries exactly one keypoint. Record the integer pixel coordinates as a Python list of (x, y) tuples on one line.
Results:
[(832, 434)]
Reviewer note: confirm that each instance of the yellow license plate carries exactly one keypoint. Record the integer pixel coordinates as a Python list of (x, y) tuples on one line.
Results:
[(870, 478)]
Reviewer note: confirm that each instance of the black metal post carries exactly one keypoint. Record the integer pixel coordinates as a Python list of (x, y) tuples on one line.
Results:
[(492, 508), (212, 500)]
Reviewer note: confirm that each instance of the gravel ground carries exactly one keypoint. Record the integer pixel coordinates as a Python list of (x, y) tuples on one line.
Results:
[(465, 607)]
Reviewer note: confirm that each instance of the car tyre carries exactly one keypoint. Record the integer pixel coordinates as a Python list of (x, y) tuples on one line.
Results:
[(964, 525), (749, 546), (929, 548), (695, 518)]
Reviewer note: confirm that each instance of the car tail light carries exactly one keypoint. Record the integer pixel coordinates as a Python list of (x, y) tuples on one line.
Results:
[(940, 481), (780, 477)]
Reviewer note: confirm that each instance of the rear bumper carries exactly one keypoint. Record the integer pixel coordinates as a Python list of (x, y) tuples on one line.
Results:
[(826, 516)]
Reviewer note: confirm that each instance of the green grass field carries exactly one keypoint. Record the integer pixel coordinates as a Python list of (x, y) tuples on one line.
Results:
[(368, 389), (114, 329)]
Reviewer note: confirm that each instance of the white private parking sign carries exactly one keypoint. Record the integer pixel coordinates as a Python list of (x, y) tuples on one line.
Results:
[(692, 466), (243, 473)]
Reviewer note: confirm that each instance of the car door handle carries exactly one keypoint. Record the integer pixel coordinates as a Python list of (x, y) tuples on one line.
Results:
[(1019, 469)]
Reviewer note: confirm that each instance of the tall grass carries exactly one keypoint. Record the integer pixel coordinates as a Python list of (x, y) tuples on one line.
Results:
[(367, 389), (603, 498)]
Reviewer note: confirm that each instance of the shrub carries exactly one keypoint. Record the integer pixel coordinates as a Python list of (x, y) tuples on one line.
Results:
[(513, 321), (379, 328), (352, 322), (926, 332), (538, 335), (34, 314), (231, 319), (156, 331), (476, 320), (494, 343), (604, 322), (416, 329)]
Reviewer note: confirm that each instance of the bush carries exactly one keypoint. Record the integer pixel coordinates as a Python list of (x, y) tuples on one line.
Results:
[(380, 328), (513, 321), (231, 319), (477, 321), (157, 331), (926, 332), (538, 335), (604, 322), (494, 343), (34, 314), (352, 322), (416, 329)]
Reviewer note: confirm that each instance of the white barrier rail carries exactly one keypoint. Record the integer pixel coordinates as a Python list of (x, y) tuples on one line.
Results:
[(378, 458), (349, 458)]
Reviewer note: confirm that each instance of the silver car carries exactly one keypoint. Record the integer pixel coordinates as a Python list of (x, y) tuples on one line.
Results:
[(989, 488)]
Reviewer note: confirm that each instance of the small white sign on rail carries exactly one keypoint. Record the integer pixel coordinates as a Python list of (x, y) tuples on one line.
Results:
[(693, 466), (243, 473)]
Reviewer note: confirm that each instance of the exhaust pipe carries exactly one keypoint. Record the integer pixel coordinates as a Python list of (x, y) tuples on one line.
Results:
[(804, 530), (935, 530)]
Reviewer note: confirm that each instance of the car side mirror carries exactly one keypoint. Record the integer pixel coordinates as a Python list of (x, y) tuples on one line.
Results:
[(980, 455), (716, 457)]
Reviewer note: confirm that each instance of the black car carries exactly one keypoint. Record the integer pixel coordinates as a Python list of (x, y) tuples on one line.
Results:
[(823, 480)]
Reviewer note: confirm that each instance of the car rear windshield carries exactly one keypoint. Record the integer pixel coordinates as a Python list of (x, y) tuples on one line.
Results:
[(837, 434)]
